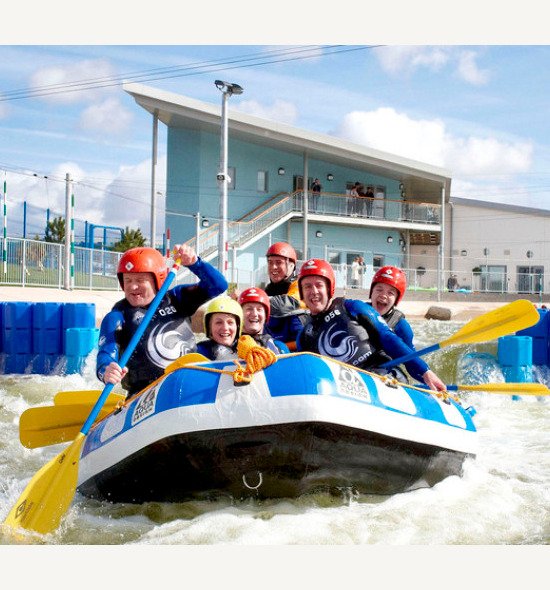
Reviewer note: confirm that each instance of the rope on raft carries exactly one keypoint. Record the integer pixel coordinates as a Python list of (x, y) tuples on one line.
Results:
[(255, 356)]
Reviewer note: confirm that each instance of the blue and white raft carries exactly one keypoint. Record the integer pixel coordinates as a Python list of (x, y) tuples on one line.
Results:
[(305, 424)]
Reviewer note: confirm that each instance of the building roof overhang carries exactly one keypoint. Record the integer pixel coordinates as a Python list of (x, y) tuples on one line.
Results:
[(423, 182)]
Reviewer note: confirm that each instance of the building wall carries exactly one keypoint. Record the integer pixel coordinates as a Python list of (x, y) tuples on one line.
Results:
[(193, 162)]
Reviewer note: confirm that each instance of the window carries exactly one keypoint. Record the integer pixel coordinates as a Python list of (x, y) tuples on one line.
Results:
[(261, 184), (232, 171)]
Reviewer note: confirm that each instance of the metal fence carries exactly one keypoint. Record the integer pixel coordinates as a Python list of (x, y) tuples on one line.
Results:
[(41, 264)]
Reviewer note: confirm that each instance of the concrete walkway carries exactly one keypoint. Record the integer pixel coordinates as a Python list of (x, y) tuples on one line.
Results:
[(463, 310)]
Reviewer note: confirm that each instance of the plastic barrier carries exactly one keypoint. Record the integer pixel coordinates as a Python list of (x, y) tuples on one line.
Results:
[(33, 336), (540, 333), (515, 356)]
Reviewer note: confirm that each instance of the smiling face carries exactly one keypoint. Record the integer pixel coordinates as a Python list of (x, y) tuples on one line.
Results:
[(139, 288), (383, 297), (254, 318), (223, 328), (279, 268), (315, 293)]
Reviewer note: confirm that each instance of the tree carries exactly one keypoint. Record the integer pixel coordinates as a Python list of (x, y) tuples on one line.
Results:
[(55, 231), (131, 238)]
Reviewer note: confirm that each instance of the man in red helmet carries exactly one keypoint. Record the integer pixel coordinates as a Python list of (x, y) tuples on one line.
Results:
[(256, 310), (288, 314), (141, 272), (350, 330)]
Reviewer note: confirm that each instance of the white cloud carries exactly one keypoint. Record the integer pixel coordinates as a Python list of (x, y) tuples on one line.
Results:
[(469, 71), (280, 111), (429, 141), (71, 77), (405, 60), (108, 116), (401, 59)]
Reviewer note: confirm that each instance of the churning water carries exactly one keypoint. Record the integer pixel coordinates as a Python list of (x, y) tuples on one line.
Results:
[(503, 497)]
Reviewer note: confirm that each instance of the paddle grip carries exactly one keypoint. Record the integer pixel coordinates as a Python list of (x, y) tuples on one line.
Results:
[(131, 346)]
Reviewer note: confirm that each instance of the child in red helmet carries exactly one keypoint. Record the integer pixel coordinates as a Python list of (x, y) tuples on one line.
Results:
[(256, 309), (387, 289), (141, 272), (350, 330)]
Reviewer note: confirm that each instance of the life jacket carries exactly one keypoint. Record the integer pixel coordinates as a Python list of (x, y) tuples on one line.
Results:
[(393, 317), (336, 334), (267, 341), (217, 352), (167, 337)]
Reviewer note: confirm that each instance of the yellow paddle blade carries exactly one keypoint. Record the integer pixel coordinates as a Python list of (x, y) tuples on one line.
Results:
[(518, 315), (518, 388), (49, 493), (50, 425), (186, 359), (88, 397)]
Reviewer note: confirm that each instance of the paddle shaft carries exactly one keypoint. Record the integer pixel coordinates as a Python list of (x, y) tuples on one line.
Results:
[(518, 315), (134, 341)]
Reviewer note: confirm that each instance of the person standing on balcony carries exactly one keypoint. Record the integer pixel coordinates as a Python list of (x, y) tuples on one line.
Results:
[(315, 194), (352, 203), (369, 200), (349, 330), (141, 272)]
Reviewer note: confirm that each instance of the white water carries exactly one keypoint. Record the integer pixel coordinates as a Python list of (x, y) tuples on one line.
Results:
[(503, 498)]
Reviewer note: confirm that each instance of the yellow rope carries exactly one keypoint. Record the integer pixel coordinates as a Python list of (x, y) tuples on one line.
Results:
[(256, 356)]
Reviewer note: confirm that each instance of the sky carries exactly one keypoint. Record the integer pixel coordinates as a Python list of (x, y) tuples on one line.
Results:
[(478, 109)]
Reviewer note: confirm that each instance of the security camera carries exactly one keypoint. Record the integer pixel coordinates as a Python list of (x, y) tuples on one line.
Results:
[(221, 177)]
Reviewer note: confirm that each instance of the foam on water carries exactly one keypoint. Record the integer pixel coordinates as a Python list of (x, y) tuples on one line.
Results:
[(502, 498)]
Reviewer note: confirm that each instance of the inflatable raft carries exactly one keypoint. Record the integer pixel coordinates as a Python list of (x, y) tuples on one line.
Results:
[(304, 424)]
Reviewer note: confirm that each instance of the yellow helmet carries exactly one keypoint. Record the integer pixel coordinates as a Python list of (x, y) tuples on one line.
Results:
[(223, 304)]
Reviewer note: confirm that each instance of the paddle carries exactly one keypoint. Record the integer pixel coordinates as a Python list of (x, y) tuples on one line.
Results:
[(50, 492), (518, 315), (85, 397), (509, 388), (50, 425)]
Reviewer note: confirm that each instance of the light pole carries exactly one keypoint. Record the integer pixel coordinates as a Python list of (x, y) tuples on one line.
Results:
[(227, 89)]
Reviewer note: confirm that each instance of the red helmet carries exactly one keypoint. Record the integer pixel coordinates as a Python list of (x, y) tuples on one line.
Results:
[(391, 275), (256, 295), (143, 259), (282, 249), (320, 268)]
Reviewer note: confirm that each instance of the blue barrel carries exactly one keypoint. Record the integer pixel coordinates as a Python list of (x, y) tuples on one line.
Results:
[(78, 315), (79, 343), (540, 333), (1, 324), (46, 328), (17, 327), (515, 356), (16, 336)]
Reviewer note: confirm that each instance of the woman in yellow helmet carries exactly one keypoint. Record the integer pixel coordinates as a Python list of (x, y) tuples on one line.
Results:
[(223, 320)]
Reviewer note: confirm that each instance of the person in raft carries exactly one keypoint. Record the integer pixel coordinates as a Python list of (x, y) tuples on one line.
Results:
[(387, 289), (288, 314), (223, 322), (256, 308), (141, 272), (350, 330)]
